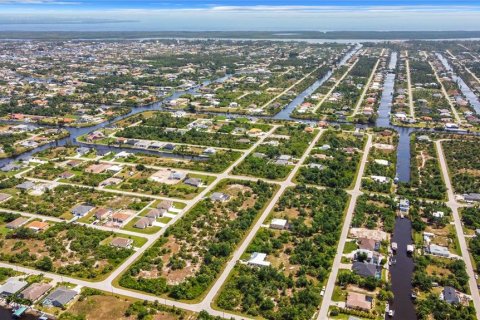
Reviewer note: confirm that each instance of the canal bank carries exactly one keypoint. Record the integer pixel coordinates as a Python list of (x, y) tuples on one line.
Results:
[(401, 271)]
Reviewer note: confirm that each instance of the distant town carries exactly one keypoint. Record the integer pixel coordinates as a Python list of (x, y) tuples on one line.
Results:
[(239, 179)]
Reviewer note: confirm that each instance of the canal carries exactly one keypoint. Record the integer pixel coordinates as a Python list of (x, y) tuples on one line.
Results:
[(402, 269), (464, 88)]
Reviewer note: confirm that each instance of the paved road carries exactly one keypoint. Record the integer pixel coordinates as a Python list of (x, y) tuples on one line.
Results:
[(329, 93), (465, 67), (291, 87), (444, 91), (355, 193), (454, 205), (409, 84), (106, 284), (367, 86), (206, 303)]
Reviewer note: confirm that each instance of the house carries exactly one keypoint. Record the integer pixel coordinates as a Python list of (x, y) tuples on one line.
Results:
[(438, 214), (177, 175), (471, 197), (368, 244), (194, 182), (450, 295), (60, 297), (17, 223), (155, 213), (12, 286), (35, 291), (209, 151), (124, 243), (144, 223), (73, 163), (437, 250), (114, 168), (97, 168), (169, 147), (120, 218), (359, 301), (382, 162), (81, 210), (103, 213), (37, 226), (366, 269), (27, 185), (218, 196), (82, 151), (423, 138), (165, 205), (112, 181), (66, 175), (278, 224), (11, 167), (258, 259), (379, 179)]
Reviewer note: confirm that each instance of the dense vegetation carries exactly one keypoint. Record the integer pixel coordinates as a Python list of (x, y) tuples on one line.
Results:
[(63, 248), (290, 288), (339, 163), (206, 235), (462, 158), (425, 175)]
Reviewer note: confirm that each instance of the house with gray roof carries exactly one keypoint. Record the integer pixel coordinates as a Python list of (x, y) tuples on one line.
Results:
[(366, 269), (219, 196), (27, 185), (60, 297), (12, 286), (450, 295), (80, 210)]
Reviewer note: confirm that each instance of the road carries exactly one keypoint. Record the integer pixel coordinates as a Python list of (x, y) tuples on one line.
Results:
[(454, 205), (354, 193), (241, 249), (474, 76), (367, 86), (444, 91), (107, 284), (329, 93), (409, 84), (291, 87)]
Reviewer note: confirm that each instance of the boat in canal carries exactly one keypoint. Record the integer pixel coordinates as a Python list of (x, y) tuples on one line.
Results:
[(394, 246)]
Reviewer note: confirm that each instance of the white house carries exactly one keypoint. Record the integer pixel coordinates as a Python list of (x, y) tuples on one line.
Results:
[(258, 259), (279, 224)]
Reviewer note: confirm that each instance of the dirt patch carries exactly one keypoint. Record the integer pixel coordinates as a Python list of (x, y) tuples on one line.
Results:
[(102, 307)]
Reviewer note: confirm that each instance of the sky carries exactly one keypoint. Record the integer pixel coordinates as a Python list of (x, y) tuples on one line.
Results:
[(241, 15)]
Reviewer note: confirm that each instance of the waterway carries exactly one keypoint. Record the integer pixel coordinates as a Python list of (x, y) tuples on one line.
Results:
[(402, 270), (466, 90), (402, 234), (285, 113), (6, 314)]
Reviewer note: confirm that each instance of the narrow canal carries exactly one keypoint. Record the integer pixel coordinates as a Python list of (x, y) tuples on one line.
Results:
[(464, 88), (401, 271), (285, 113)]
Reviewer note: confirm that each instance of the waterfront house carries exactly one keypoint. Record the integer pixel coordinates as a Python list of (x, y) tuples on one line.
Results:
[(35, 291), (359, 301), (12, 286)]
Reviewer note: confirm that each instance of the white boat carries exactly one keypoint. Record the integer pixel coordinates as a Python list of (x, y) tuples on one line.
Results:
[(394, 246), (391, 313), (410, 248)]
